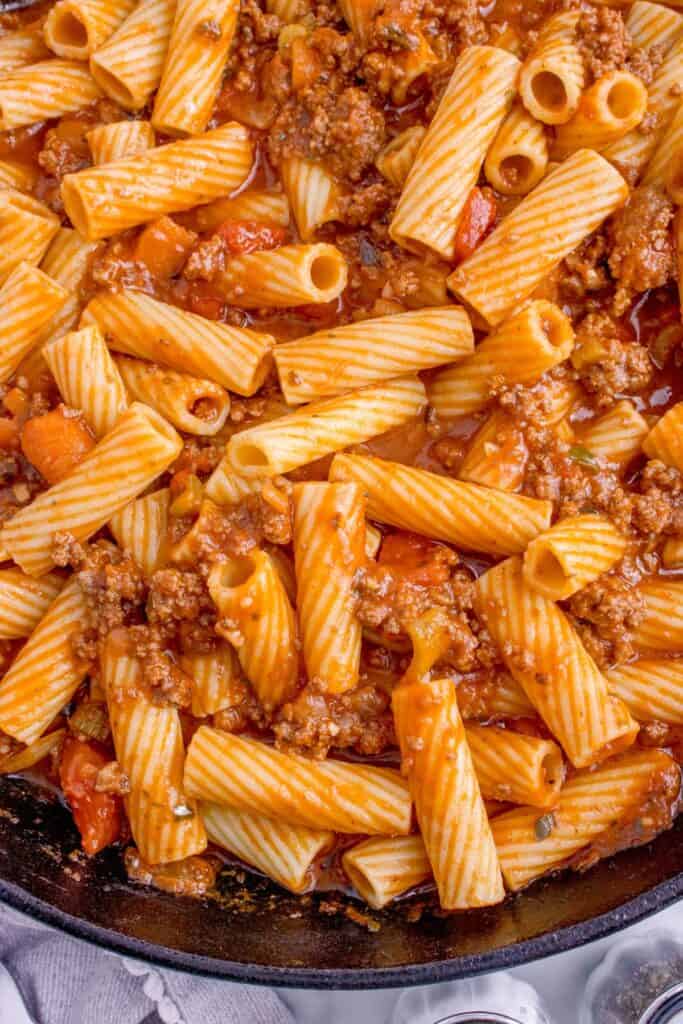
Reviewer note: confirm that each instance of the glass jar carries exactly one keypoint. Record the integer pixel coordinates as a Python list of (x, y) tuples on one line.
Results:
[(493, 999), (640, 981)]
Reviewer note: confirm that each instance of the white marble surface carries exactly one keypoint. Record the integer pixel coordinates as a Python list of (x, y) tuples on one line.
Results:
[(560, 981)]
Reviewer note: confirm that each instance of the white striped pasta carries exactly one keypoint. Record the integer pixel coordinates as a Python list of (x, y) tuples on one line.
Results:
[(46, 673), (469, 516), (16, 176), (289, 276), (200, 40), (521, 350), (450, 157), (608, 110), (552, 77), (101, 201), (26, 229), (22, 47), (67, 261), (380, 869), (497, 455), (353, 355), (668, 152), (398, 156), (653, 24), (359, 15), (44, 90), (573, 553), (29, 299), (518, 157), (126, 461), (651, 688), (665, 439), (515, 768), (256, 617), (140, 529), (75, 28), (87, 377), (661, 628), (543, 652), (617, 435), (312, 192), (161, 836), (214, 676), (329, 549), (191, 404), (24, 601), (128, 67), (674, 174), (119, 140), (570, 203), (324, 427), (504, 699), (29, 756), (226, 487), (591, 803), (632, 152), (450, 810), (133, 323), (285, 853), (263, 205), (251, 776)]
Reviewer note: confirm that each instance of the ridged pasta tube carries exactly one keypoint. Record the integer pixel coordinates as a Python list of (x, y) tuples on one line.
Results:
[(161, 836), (589, 805), (469, 516), (24, 601), (255, 616), (263, 205), (661, 628), (120, 140), (652, 24), (521, 350), (251, 776), (41, 91), (87, 377), (102, 201), (477, 98), (126, 461), (573, 553), (329, 549), (67, 261), (613, 106), (442, 780), (354, 355), (29, 299), (324, 427), (543, 652), (518, 158), (398, 156), (16, 176), (140, 326), (380, 869), (616, 436), (26, 229), (292, 275), (285, 853), (497, 455), (140, 529), (552, 77), (312, 192), (191, 404), (75, 28), (665, 439), (22, 47), (516, 768), (128, 66), (214, 675), (651, 688), (570, 203)]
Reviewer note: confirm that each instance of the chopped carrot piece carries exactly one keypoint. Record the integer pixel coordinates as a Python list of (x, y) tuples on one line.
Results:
[(163, 246), (56, 442)]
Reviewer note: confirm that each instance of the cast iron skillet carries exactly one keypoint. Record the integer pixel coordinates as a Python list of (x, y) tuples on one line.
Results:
[(259, 934)]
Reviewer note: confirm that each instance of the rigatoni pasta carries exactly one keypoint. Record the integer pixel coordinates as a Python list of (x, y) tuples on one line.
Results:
[(27, 227), (29, 301), (140, 529), (76, 28), (191, 404), (518, 158), (24, 601), (383, 868), (44, 90), (651, 688), (516, 768), (87, 377), (119, 140), (289, 276), (552, 77), (612, 107), (128, 66), (312, 192), (573, 553)]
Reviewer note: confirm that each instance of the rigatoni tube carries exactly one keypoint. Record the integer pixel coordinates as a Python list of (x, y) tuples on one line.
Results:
[(243, 773), (573, 553), (192, 404), (443, 784), (216, 676), (87, 377), (67, 261), (21, 47), (532, 341), (29, 299), (380, 869), (616, 436), (102, 201), (26, 229), (140, 447), (24, 601), (312, 192), (477, 98), (661, 627), (543, 652), (140, 529), (292, 275), (467, 515), (398, 156), (353, 355), (552, 77), (75, 28), (128, 66), (329, 549), (518, 158), (44, 90), (613, 106), (651, 688), (665, 439), (513, 767), (120, 140)]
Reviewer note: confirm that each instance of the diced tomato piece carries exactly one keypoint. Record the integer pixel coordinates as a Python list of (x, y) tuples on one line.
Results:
[(243, 236), (97, 815), (56, 442), (478, 216), (163, 246), (203, 299), (422, 561)]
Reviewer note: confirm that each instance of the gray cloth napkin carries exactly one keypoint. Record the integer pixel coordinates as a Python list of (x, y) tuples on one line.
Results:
[(61, 980)]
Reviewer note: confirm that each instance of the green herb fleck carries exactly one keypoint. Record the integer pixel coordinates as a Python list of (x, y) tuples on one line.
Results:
[(583, 456)]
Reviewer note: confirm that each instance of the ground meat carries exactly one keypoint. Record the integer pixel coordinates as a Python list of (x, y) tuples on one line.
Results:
[(359, 720), (207, 259), (365, 204), (615, 369), (662, 734), (585, 270), (180, 607), (167, 683), (19, 483), (644, 63), (243, 710), (114, 269), (193, 876), (658, 508), (112, 779), (641, 244), (603, 40), (608, 611), (201, 455)]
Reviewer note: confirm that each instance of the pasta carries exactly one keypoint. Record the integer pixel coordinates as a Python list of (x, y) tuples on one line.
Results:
[(516, 768), (331, 362), (289, 276), (22, 47), (617, 436), (26, 229), (119, 140), (661, 627), (651, 688), (398, 156), (47, 89), (29, 300), (665, 440), (140, 326), (382, 869), (572, 554), (518, 158), (612, 107), (162, 180), (497, 455), (24, 601), (140, 529), (312, 193), (450, 157), (215, 676), (552, 77), (262, 205), (67, 261), (87, 377), (128, 66), (557, 673), (189, 403), (76, 28)]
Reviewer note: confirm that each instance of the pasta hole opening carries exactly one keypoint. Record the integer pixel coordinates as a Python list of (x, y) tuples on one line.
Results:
[(249, 456), (548, 570), (622, 99), (554, 329), (205, 408), (114, 87), (324, 272), (236, 572), (75, 207), (361, 884), (552, 768), (549, 91), (70, 31), (516, 169)]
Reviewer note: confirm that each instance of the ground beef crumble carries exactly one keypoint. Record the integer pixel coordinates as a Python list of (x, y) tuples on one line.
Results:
[(606, 613), (609, 368), (603, 40), (315, 721), (641, 244)]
